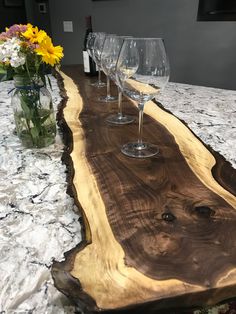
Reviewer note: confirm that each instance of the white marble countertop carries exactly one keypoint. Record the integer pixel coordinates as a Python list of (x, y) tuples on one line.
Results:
[(38, 222)]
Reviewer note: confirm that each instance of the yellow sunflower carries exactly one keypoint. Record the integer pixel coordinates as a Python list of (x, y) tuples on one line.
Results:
[(34, 35), (50, 54)]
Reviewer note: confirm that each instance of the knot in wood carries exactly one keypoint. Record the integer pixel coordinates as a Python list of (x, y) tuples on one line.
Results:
[(169, 217), (204, 211)]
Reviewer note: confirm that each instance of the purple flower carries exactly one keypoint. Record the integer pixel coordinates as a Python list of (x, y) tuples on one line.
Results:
[(15, 30), (3, 36)]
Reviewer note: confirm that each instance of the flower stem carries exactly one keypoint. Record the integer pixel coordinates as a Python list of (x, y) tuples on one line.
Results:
[(27, 69), (28, 126)]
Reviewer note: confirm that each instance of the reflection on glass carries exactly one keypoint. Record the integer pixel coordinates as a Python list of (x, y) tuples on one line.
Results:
[(142, 71)]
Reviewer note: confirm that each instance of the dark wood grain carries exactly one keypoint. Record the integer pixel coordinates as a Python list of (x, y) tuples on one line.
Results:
[(169, 224)]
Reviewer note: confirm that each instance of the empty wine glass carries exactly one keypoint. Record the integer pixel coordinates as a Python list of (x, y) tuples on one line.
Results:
[(142, 71), (94, 45), (106, 64), (109, 60)]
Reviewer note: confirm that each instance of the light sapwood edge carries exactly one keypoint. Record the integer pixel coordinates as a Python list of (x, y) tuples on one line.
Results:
[(100, 265), (198, 157)]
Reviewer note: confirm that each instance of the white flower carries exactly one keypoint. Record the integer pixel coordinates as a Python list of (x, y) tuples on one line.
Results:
[(17, 61), (10, 52)]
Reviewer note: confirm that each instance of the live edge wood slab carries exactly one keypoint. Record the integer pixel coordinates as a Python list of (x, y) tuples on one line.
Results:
[(158, 233)]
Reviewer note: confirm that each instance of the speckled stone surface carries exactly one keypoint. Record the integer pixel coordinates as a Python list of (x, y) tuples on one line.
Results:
[(38, 222), (37, 219), (209, 112)]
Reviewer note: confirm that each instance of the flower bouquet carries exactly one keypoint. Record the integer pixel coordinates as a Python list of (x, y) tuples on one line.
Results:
[(26, 55)]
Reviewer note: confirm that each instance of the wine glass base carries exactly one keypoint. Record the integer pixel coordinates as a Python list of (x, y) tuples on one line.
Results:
[(107, 98), (120, 119), (138, 150), (98, 84)]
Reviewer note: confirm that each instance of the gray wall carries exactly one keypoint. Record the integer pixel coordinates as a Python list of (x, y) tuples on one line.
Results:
[(75, 11), (201, 53)]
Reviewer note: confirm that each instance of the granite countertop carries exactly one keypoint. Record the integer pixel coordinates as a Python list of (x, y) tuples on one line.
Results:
[(38, 220), (209, 112)]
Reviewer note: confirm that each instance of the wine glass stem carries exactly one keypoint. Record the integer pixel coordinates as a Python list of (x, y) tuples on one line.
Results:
[(108, 87), (119, 102), (140, 124), (99, 76)]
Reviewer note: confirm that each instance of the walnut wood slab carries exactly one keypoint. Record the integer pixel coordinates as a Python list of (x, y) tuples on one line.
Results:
[(158, 233)]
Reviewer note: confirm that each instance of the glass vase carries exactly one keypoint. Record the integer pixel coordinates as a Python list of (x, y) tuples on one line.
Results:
[(33, 113)]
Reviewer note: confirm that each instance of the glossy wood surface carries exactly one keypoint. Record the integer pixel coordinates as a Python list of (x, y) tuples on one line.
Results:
[(158, 232)]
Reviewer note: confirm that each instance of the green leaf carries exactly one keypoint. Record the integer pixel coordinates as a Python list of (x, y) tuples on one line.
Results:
[(3, 72), (3, 78), (10, 73), (26, 110), (49, 82), (2, 69), (43, 119), (34, 132)]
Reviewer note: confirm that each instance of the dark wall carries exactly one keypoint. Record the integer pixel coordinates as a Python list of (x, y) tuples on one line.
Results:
[(35, 17), (28, 12), (11, 15), (200, 53)]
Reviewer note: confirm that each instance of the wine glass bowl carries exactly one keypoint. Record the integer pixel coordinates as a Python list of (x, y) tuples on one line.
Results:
[(111, 50), (90, 44), (142, 71), (98, 46), (107, 62), (94, 47)]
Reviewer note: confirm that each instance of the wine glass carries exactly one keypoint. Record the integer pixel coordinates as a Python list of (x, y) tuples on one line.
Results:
[(94, 46), (110, 55), (90, 44), (106, 64), (142, 71)]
